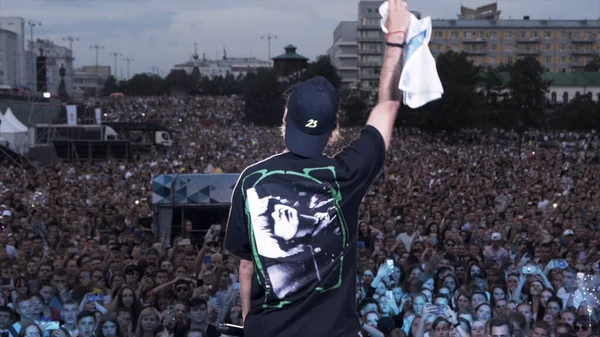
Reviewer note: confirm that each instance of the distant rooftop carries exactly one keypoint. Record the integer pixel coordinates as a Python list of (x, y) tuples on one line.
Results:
[(487, 12), (229, 61), (522, 23), (290, 54)]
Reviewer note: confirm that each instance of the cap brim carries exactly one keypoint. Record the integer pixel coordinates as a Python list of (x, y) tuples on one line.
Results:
[(303, 144)]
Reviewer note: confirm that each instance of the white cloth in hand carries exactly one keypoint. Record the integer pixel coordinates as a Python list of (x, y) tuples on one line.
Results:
[(419, 81)]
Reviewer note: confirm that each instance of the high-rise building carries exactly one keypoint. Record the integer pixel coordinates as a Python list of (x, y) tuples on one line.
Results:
[(370, 43), (8, 57), (344, 53), (17, 26), (559, 45), (56, 56)]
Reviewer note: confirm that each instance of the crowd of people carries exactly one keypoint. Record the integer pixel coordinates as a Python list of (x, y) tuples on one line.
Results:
[(458, 231)]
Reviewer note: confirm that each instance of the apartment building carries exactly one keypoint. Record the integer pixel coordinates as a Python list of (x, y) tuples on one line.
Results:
[(559, 45), (24, 62), (8, 58), (370, 43), (344, 53)]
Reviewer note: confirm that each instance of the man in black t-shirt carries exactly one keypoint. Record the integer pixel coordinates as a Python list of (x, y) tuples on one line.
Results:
[(198, 312), (293, 218)]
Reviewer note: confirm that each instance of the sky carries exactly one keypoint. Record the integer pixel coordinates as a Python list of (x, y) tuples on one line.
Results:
[(161, 33)]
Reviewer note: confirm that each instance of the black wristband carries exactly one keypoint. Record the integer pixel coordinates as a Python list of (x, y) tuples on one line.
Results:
[(398, 45), (456, 325)]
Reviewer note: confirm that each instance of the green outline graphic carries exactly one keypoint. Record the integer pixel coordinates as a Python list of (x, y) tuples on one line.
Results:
[(337, 197)]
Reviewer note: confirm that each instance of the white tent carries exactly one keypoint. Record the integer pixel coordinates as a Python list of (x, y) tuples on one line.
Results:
[(15, 136), (14, 120)]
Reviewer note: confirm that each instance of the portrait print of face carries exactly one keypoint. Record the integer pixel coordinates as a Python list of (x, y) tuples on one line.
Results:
[(296, 232)]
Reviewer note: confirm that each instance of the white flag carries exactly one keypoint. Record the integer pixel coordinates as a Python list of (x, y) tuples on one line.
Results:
[(72, 114), (98, 115)]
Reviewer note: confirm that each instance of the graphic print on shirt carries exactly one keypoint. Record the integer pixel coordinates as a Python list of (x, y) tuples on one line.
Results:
[(297, 231)]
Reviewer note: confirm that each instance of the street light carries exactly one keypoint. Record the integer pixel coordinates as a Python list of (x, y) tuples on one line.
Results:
[(128, 59), (115, 54), (71, 39), (97, 47), (32, 23)]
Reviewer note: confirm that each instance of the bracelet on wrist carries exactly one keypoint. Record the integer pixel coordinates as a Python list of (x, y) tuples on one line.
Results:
[(397, 45), (456, 325)]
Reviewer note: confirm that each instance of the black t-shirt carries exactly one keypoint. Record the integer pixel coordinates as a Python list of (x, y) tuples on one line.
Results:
[(296, 220), (211, 331)]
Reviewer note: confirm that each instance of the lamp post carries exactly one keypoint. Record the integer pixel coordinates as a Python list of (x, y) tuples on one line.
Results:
[(96, 47), (32, 24), (71, 39), (128, 59), (115, 54), (269, 36)]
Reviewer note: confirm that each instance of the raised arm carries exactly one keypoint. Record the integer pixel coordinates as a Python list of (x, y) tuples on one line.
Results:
[(384, 114)]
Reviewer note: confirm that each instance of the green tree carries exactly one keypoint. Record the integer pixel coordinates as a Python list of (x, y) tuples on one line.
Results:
[(460, 99), (354, 107), (110, 86), (230, 86), (593, 66), (263, 97), (322, 66), (145, 85), (177, 81), (581, 113), (492, 84), (215, 86), (194, 86), (203, 86), (527, 89)]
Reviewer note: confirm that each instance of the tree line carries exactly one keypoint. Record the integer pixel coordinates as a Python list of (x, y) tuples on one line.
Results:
[(511, 96)]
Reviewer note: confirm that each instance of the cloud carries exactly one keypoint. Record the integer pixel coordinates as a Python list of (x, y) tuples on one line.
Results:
[(163, 32)]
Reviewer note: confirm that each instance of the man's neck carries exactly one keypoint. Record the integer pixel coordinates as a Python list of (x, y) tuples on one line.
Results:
[(202, 325), (70, 327), (25, 321)]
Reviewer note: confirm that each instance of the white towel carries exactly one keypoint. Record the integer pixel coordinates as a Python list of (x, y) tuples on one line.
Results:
[(419, 81)]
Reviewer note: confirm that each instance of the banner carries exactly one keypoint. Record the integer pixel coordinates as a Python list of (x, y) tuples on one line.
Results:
[(98, 116), (72, 114)]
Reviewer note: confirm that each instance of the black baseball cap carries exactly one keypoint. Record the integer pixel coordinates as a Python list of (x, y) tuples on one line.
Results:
[(311, 117)]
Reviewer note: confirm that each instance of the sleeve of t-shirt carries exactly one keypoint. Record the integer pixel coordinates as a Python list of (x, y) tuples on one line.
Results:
[(237, 240), (364, 158), (370, 292)]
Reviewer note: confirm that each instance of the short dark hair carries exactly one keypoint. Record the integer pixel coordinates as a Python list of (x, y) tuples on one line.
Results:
[(365, 302), (518, 319), (60, 272), (5, 308), (498, 322), (556, 299), (542, 325), (196, 302), (84, 314)]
